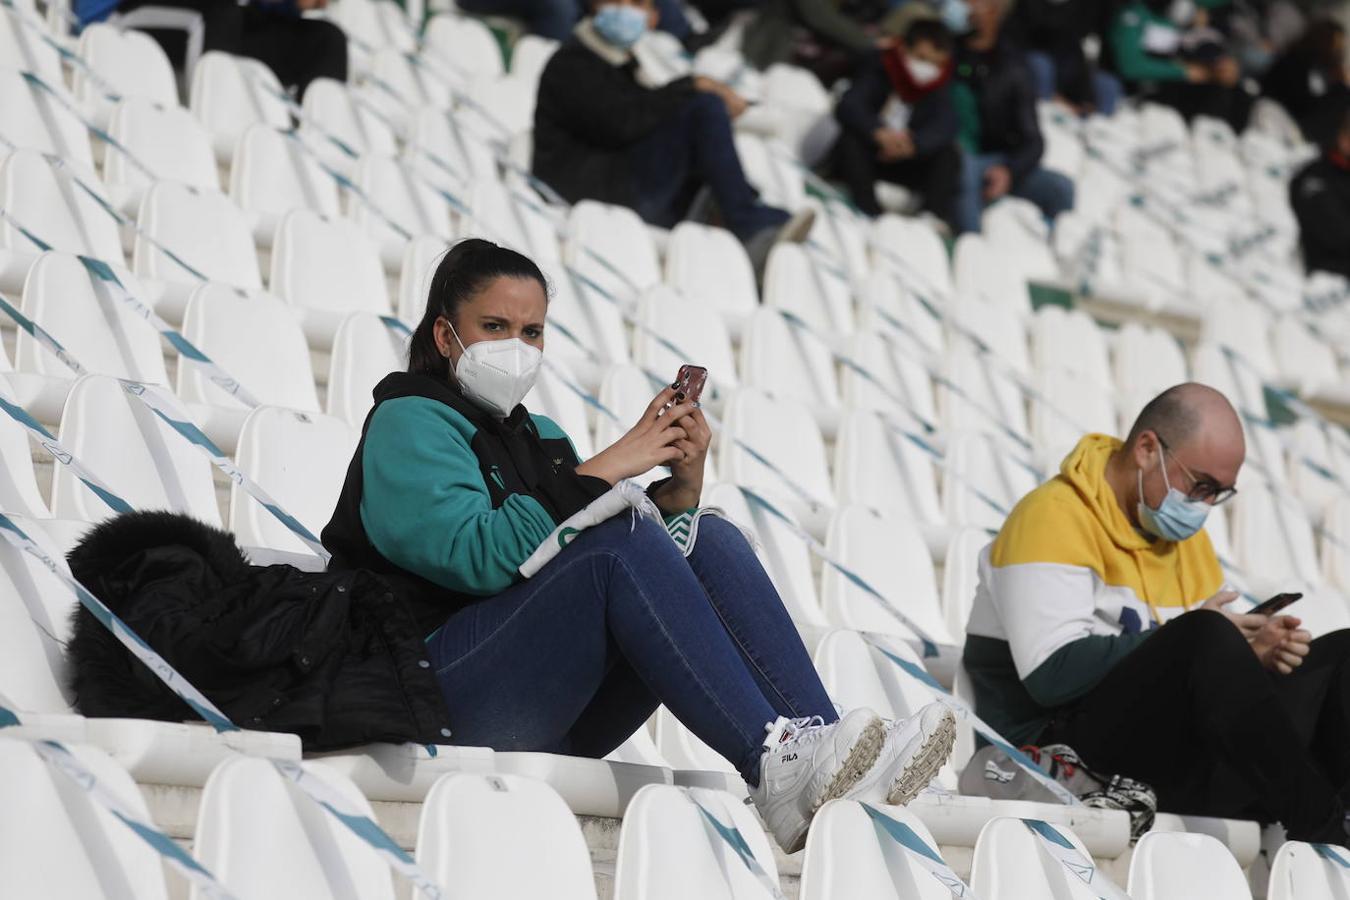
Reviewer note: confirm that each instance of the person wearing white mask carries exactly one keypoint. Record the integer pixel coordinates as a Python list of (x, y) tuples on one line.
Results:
[(1102, 620), (454, 485), (899, 123), (610, 127)]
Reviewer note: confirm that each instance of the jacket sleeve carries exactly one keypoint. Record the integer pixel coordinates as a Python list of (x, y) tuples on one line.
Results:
[(1031, 144), (426, 508), (605, 112), (1133, 62), (824, 18), (934, 125), (858, 110), (1074, 669)]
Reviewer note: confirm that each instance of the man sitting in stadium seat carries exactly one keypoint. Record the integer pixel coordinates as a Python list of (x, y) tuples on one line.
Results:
[(1168, 53), (455, 487), (900, 124), (275, 32), (1320, 196), (1224, 714), (1000, 134), (604, 130)]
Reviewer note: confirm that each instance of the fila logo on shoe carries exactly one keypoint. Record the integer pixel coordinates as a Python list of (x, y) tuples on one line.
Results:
[(789, 757)]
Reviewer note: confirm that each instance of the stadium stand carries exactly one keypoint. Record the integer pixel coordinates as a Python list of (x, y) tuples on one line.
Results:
[(879, 404)]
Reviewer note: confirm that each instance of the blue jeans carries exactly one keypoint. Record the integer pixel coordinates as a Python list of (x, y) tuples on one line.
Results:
[(575, 659), (1050, 191), (695, 148), (1107, 90)]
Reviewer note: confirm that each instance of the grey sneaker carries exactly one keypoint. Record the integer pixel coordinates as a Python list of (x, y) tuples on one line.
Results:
[(807, 763), (915, 749)]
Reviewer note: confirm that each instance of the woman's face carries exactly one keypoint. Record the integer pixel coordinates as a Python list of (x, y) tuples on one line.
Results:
[(506, 308)]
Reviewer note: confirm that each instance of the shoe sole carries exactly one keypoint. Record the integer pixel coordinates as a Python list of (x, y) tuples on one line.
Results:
[(924, 765), (866, 751)]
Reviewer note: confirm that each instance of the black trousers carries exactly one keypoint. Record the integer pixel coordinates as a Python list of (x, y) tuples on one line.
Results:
[(1194, 714), (298, 50), (936, 177)]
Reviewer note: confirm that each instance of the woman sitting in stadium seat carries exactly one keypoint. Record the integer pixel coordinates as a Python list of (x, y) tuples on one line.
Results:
[(453, 487)]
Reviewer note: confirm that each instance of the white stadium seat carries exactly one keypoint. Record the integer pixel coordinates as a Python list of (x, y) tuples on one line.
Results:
[(788, 360), (204, 230), (674, 329), (305, 852), (230, 93), (167, 140), (395, 198), (326, 269), (365, 349), (848, 854), (272, 175), (301, 460), (876, 465), (1010, 864), (57, 841), (816, 292), (34, 120), (668, 849), (420, 259), (529, 56), (127, 60), (19, 44), (709, 265), (1167, 865), (611, 246), (1303, 871), (504, 836), (335, 111), (465, 45), (134, 452)]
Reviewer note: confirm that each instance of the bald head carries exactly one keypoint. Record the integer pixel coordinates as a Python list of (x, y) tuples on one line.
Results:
[(1199, 428)]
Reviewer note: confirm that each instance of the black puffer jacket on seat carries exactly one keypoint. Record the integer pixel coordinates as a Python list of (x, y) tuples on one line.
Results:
[(332, 657)]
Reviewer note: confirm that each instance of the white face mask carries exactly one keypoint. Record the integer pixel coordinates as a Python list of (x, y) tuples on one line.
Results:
[(497, 375), (922, 71)]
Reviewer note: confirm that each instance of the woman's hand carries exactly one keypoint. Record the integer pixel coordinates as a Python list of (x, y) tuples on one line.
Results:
[(685, 486), (653, 441)]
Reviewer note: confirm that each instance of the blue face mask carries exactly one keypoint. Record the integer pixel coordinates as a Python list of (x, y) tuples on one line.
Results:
[(955, 15), (1177, 517), (621, 26)]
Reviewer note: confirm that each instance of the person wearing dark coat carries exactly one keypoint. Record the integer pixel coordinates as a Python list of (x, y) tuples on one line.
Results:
[(603, 130), (899, 123), (1309, 79), (1320, 196), (1053, 33), (999, 131)]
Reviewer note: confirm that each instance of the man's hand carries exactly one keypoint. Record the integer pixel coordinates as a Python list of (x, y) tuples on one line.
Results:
[(1250, 625), (1281, 644), (734, 102), (997, 182), (893, 145)]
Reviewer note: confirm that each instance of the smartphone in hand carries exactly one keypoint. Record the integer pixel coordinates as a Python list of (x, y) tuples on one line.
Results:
[(690, 381), (1274, 604)]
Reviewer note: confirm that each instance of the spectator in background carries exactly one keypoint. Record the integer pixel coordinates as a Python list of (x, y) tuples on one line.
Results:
[(275, 33), (899, 123), (555, 19), (1053, 32), (1167, 52), (999, 132), (1320, 196), (1309, 80), (604, 131), (1102, 621), (845, 38)]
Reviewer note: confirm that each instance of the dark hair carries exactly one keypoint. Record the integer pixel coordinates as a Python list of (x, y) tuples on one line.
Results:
[(1318, 44), (467, 268), (929, 31)]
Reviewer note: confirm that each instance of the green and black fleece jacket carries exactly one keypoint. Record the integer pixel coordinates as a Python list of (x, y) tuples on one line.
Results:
[(445, 501)]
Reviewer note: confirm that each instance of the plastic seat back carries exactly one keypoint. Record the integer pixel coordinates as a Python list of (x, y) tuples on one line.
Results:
[(134, 452), (303, 853), (708, 264), (327, 266), (878, 467), (476, 830), (230, 93), (1011, 864), (34, 120), (130, 60), (272, 175), (364, 351), (1183, 864), (1310, 872), (301, 460), (49, 204), (818, 293), (850, 854), (781, 357), (204, 229), (668, 849), (167, 139), (35, 608), (256, 340), (55, 841)]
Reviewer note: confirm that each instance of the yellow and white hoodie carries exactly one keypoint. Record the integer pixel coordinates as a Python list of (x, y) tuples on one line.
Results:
[(1067, 589)]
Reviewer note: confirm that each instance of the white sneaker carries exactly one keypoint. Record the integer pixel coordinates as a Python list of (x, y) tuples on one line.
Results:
[(807, 763), (914, 751)]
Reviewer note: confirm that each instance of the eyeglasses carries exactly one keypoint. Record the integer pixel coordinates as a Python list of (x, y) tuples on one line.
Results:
[(1205, 490)]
